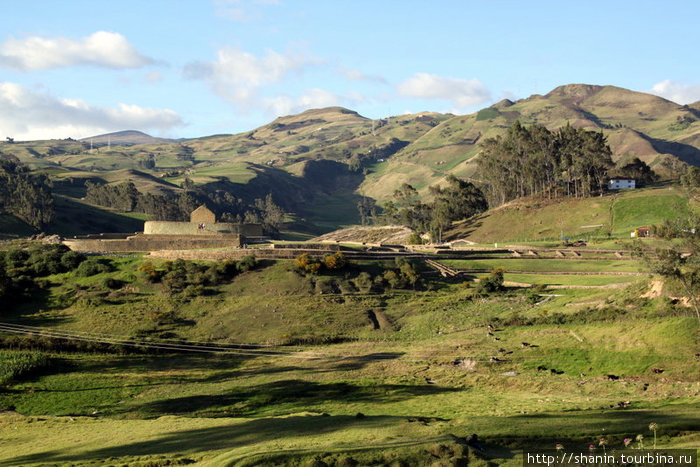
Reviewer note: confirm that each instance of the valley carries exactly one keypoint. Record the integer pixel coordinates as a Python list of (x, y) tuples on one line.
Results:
[(337, 340)]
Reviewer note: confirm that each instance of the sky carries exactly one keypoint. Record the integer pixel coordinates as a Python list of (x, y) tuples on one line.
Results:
[(197, 68)]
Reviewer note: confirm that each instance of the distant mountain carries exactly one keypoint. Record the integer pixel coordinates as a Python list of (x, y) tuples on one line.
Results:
[(127, 138), (320, 161)]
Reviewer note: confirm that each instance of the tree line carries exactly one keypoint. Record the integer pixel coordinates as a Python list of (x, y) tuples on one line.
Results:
[(458, 200), (25, 195), (125, 197), (534, 161)]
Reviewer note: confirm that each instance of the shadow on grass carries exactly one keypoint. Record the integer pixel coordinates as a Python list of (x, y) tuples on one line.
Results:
[(502, 439), (286, 396), (227, 436)]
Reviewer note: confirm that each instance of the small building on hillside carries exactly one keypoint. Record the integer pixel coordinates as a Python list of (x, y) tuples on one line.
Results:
[(621, 184), (641, 232)]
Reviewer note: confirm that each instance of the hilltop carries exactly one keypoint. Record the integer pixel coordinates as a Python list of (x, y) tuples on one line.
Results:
[(320, 163), (127, 137)]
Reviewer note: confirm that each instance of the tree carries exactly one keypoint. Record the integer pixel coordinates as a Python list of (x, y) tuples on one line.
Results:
[(636, 169), (459, 200), (529, 161), (680, 266), (25, 195)]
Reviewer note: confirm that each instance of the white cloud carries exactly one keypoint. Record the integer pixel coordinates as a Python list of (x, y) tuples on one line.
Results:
[(27, 114), (103, 49), (154, 77), (236, 75), (462, 93), (676, 92), (356, 75), (240, 10), (311, 99)]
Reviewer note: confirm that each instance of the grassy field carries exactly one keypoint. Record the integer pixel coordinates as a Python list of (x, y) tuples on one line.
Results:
[(547, 265), (419, 366), (612, 216)]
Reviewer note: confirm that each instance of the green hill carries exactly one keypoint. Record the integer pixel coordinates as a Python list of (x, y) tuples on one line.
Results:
[(127, 137), (611, 215), (380, 155), (379, 377)]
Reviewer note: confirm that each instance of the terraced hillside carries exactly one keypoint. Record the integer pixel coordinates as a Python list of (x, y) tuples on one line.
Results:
[(276, 367)]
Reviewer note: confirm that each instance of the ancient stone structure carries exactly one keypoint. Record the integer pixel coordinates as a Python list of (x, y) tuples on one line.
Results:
[(201, 229), (202, 215), (201, 232)]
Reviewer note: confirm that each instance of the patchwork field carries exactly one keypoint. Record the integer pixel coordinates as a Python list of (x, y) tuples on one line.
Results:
[(336, 374)]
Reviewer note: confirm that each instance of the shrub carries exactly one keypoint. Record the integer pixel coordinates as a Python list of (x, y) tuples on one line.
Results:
[(15, 365), (194, 290), (112, 283), (247, 263), (415, 239), (363, 282), (335, 261), (307, 265), (92, 266), (16, 258), (228, 268), (393, 279), (346, 287), (149, 271), (492, 283), (71, 260), (325, 285)]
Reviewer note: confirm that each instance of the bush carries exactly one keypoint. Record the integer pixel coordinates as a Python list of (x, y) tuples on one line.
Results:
[(71, 260), (492, 283), (363, 282), (307, 265), (92, 266), (335, 261), (16, 258), (15, 365), (112, 283), (151, 274), (194, 290), (247, 263), (415, 239), (325, 285)]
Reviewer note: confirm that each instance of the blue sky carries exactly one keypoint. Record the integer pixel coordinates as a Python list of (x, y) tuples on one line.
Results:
[(195, 68)]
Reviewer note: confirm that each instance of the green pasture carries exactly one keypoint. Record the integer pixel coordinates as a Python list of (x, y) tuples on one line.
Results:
[(547, 265)]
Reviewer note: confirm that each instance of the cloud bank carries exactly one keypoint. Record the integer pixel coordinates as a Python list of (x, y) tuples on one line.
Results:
[(461, 93), (101, 49), (27, 115), (676, 92)]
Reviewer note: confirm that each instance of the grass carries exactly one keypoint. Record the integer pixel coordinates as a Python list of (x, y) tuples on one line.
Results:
[(547, 265), (536, 220), (12, 227), (17, 365), (74, 217), (565, 280)]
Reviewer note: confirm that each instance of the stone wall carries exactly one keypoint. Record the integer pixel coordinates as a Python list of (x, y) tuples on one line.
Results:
[(141, 242), (189, 228), (217, 255)]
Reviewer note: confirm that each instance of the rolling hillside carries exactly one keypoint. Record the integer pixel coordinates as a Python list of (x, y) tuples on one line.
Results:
[(127, 137), (379, 155), (616, 216)]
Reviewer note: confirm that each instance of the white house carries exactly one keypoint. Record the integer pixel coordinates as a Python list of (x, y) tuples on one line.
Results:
[(621, 183)]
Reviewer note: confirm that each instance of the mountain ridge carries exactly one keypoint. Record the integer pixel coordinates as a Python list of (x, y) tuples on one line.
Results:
[(127, 137), (420, 149)]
